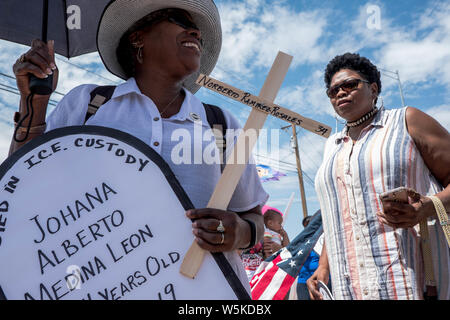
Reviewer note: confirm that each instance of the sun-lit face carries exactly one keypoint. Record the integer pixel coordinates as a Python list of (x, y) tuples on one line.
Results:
[(355, 103), (170, 48), (275, 222)]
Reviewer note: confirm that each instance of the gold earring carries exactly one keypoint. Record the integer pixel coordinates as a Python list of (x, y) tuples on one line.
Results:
[(139, 46), (139, 57)]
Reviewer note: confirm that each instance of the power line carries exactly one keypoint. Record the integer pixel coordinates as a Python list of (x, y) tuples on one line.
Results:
[(287, 167), (11, 77), (87, 70), (313, 166), (76, 66), (276, 160), (277, 165), (398, 80), (306, 154), (7, 75), (9, 87), (18, 93), (7, 90), (308, 180), (51, 102)]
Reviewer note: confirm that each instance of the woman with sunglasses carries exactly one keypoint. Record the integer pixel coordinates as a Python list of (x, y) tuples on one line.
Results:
[(158, 47), (372, 249)]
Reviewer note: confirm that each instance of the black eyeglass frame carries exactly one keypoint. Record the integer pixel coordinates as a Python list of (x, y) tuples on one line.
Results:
[(331, 94), (186, 24), (175, 16)]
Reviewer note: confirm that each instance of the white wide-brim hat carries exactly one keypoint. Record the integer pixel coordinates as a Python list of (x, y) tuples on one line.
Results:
[(120, 15)]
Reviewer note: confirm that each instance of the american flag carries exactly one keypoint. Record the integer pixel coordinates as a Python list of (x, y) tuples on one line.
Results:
[(275, 276)]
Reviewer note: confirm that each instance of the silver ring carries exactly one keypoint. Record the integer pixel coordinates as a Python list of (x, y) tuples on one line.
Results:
[(220, 227), (223, 238)]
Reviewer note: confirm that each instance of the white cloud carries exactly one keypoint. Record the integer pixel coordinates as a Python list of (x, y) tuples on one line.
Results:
[(281, 203), (308, 98), (418, 61), (254, 31), (422, 54)]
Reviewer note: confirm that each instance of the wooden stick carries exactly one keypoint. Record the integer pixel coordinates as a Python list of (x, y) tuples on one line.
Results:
[(232, 173), (288, 207)]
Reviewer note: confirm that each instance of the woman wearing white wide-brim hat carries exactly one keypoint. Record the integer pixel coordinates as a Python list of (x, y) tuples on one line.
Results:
[(159, 47)]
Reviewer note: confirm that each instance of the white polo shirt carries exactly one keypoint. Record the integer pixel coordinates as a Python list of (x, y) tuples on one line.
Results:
[(184, 141)]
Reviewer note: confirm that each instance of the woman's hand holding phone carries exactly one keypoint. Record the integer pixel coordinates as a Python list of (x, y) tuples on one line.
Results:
[(404, 208)]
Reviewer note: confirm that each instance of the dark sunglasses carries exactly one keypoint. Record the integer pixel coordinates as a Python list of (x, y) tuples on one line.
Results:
[(175, 16), (182, 21), (348, 86)]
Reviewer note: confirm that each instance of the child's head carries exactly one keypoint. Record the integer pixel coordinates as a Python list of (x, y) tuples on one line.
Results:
[(273, 218), (306, 221)]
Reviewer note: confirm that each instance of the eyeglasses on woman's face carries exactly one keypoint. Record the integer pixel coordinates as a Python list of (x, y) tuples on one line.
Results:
[(176, 16), (348, 86), (182, 20)]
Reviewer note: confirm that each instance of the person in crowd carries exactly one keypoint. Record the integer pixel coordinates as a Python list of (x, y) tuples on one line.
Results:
[(252, 259), (372, 249), (311, 264), (159, 49), (275, 237)]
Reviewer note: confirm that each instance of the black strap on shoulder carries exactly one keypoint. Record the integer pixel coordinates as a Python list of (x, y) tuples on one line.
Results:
[(215, 117), (216, 120), (99, 96)]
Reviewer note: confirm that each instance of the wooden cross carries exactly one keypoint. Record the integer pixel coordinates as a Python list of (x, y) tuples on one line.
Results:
[(262, 106)]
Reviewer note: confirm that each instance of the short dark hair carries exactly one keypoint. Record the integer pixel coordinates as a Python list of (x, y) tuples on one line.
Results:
[(355, 62)]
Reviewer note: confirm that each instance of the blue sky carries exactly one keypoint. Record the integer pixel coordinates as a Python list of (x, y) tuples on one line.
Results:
[(410, 36)]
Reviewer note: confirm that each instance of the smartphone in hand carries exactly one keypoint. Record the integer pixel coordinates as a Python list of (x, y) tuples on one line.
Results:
[(398, 194)]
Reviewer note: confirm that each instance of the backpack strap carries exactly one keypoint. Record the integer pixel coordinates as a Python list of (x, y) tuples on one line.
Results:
[(102, 94), (99, 96), (216, 120)]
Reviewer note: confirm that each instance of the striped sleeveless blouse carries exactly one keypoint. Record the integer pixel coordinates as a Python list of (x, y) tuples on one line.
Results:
[(368, 259)]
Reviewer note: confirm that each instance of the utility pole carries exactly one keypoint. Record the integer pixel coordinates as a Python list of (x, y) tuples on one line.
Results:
[(299, 169), (400, 87)]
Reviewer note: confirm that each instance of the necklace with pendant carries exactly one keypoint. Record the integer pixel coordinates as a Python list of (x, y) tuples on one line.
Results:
[(168, 105)]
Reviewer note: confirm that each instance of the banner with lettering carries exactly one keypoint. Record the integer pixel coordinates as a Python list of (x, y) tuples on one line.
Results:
[(93, 213)]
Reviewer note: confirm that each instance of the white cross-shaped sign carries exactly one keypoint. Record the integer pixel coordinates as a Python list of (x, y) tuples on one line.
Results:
[(262, 107)]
